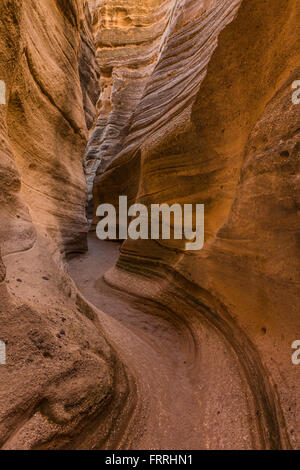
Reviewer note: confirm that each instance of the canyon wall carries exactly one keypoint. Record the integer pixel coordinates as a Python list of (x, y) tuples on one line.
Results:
[(182, 101), (61, 376), (216, 125), (127, 39)]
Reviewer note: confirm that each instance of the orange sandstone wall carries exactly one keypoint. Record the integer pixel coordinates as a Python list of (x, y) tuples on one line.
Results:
[(62, 378), (216, 125)]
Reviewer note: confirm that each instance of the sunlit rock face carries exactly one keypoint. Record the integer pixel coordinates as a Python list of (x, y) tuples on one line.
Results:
[(42, 96), (166, 104), (60, 371), (194, 107), (88, 67), (216, 125), (128, 36)]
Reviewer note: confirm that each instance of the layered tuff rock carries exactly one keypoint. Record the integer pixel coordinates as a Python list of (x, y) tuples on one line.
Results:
[(62, 378), (216, 125), (45, 118), (166, 105), (195, 107), (128, 36), (88, 67)]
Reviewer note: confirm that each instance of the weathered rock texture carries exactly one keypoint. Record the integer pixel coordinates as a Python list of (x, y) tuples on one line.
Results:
[(127, 37), (216, 125), (62, 378), (195, 107)]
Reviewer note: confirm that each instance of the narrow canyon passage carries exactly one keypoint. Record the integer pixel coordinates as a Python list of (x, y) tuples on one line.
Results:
[(149, 343), (151, 348), (175, 408)]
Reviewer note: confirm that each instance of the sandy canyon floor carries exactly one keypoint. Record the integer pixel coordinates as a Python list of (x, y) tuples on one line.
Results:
[(172, 391)]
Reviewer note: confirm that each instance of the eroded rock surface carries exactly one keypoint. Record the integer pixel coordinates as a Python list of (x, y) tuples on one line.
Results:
[(216, 125), (62, 377), (128, 36), (194, 106)]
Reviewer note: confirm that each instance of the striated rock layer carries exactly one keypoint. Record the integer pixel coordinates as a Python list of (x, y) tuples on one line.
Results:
[(128, 36), (170, 92), (62, 378), (195, 107), (216, 125)]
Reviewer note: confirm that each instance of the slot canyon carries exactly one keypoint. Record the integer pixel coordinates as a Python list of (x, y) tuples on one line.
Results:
[(142, 344)]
